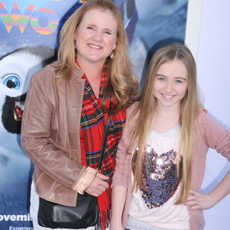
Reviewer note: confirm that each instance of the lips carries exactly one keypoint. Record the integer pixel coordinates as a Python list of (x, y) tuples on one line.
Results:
[(95, 47), (167, 96)]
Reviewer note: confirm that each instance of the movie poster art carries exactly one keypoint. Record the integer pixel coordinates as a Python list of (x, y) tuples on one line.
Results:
[(29, 40)]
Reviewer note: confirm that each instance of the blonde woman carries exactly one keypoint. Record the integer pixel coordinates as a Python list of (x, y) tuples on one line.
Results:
[(161, 156), (67, 107)]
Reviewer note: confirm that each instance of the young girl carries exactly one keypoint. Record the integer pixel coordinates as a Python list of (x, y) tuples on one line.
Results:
[(161, 156)]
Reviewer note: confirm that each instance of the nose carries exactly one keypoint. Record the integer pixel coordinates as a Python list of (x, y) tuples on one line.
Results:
[(97, 36), (168, 86)]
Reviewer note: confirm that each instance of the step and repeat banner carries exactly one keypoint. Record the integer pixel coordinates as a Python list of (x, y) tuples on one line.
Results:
[(29, 31)]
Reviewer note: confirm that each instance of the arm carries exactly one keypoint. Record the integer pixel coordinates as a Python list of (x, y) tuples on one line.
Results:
[(121, 178), (43, 140), (198, 200), (118, 202), (217, 137)]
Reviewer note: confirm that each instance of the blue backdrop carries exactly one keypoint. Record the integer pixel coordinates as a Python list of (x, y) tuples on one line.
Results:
[(29, 32)]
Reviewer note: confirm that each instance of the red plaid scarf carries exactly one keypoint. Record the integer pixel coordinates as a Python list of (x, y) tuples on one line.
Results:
[(93, 122)]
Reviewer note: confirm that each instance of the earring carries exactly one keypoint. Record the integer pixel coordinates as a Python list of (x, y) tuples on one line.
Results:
[(112, 55)]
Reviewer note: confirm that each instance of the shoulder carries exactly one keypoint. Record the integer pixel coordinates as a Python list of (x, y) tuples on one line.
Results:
[(203, 117), (43, 81), (132, 115), (206, 124), (132, 108), (45, 74)]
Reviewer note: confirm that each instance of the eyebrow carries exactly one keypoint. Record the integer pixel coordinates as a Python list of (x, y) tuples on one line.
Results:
[(182, 78), (91, 24), (162, 75)]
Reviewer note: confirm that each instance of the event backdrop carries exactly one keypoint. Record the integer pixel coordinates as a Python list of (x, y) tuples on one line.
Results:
[(29, 32), (214, 80)]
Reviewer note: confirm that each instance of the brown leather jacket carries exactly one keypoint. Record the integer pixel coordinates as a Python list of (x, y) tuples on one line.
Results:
[(50, 134)]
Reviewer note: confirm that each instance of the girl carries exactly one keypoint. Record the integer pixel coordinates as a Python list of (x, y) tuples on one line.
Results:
[(161, 156)]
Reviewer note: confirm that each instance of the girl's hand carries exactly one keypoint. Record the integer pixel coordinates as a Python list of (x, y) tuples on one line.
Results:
[(98, 186), (198, 200)]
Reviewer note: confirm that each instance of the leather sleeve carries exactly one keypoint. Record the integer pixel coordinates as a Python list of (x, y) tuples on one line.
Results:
[(40, 132)]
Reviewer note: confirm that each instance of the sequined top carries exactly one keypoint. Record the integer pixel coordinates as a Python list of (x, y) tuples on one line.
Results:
[(159, 183)]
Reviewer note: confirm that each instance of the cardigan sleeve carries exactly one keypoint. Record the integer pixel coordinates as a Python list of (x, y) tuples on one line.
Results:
[(123, 159), (216, 136)]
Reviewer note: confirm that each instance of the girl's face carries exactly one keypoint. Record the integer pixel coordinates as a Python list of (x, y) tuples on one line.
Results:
[(96, 37), (170, 84)]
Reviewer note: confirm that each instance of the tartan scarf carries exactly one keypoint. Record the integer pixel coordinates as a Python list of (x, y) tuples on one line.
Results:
[(93, 122)]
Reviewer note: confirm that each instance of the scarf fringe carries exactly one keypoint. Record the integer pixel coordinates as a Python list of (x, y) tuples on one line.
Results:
[(104, 219)]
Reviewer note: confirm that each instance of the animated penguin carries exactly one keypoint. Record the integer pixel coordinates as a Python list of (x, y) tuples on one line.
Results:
[(16, 69)]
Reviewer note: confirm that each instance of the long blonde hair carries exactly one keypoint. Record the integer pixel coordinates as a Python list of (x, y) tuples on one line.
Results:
[(121, 83), (190, 106)]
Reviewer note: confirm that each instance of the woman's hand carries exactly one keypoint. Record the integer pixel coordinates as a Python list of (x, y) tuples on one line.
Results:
[(198, 200), (98, 186)]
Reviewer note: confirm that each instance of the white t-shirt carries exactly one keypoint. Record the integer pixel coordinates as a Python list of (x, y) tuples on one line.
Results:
[(153, 203)]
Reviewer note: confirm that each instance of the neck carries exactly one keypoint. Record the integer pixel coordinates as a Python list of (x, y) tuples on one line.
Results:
[(165, 119), (91, 69), (93, 72)]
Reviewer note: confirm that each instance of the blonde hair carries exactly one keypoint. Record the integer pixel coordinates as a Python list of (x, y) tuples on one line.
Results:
[(190, 106), (121, 83)]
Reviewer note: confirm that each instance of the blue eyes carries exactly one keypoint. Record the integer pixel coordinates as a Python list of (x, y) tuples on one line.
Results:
[(161, 79), (11, 82), (92, 28)]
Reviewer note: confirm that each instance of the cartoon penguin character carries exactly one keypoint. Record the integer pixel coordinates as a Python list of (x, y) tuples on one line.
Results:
[(16, 69)]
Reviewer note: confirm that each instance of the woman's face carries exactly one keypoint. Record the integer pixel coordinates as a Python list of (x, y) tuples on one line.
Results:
[(96, 37), (170, 84)]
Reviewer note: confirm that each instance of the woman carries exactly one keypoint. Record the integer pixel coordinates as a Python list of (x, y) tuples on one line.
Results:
[(161, 156), (67, 107)]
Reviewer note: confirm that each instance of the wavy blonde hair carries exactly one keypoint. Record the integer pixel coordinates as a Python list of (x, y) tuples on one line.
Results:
[(121, 83), (189, 109)]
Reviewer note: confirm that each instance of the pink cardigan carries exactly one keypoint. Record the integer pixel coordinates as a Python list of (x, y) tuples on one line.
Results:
[(207, 134)]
